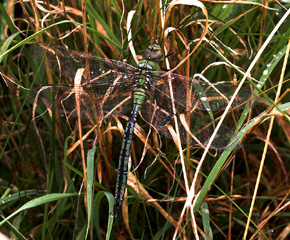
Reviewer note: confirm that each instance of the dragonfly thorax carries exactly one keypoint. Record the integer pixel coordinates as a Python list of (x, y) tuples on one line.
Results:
[(143, 79)]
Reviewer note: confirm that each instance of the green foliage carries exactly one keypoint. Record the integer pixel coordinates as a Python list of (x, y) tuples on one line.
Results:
[(41, 170)]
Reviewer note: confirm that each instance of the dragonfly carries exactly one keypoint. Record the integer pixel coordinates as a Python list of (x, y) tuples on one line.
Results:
[(163, 100)]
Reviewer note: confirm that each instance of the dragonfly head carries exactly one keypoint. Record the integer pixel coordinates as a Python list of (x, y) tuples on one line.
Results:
[(153, 53)]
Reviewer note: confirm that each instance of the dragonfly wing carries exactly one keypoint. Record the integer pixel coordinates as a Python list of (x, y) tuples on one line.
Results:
[(66, 62), (197, 125), (194, 104), (201, 95), (105, 87), (96, 101)]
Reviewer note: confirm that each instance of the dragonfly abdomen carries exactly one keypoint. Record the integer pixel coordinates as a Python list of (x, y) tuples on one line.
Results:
[(139, 97)]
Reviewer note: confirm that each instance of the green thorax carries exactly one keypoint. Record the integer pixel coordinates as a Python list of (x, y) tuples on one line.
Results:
[(151, 60), (151, 65)]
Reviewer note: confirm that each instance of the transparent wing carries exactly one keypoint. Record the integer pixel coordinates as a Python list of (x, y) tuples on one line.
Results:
[(196, 104), (193, 94), (197, 125), (66, 62), (106, 85), (96, 101)]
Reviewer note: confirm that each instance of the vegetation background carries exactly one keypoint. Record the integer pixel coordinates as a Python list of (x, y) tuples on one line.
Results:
[(41, 163)]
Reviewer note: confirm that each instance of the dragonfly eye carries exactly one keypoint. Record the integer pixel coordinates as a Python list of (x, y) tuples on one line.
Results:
[(157, 55), (146, 54), (153, 53)]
